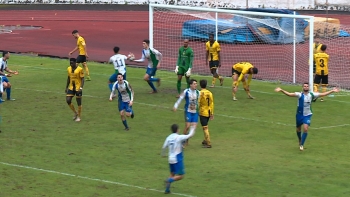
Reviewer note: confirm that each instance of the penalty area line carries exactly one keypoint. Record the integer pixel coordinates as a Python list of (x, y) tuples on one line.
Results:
[(89, 178)]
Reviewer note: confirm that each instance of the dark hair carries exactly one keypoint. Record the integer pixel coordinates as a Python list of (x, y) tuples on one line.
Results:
[(74, 31), (255, 70), (120, 74), (116, 49), (146, 41), (323, 47), (4, 53), (305, 83), (211, 34), (72, 59), (191, 81), (174, 128), (203, 83)]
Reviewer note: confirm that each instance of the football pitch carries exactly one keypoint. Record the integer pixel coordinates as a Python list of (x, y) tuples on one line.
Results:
[(255, 148)]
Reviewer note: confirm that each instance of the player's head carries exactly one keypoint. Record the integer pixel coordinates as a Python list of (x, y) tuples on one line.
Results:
[(193, 84), (253, 70), (6, 55), (116, 49), (186, 41), (120, 78), (203, 83), (211, 37), (145, 43), (75, 33), (72, 62), (174, 128), (306, 87), (323, 47), (317, 41)]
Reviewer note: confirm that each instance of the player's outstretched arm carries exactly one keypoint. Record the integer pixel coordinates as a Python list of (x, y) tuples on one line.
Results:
[(177, 103), (329, 92), (143, 58), (184, 137), (278, 89)]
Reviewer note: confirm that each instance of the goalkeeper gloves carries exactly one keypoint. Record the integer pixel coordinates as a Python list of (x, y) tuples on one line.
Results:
[(176, 69), (188, 73)]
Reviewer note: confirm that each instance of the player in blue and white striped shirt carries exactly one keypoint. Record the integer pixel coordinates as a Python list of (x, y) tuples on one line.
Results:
[(174, 143), (125, 98), (6, 82), (304, 112)]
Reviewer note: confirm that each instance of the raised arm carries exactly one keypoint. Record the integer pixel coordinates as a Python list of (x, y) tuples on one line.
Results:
[(176, 105), (329, 92), (278, 89)]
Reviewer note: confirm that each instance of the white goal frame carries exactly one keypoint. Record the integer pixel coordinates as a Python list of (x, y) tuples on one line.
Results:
[(215, 10)]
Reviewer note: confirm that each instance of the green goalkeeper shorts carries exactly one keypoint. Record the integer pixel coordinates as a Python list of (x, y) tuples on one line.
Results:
[(182, 70)]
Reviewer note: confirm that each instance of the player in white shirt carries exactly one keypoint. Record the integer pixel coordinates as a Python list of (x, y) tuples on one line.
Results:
[(1, 91), (304, 112), (154, 57), (125, 98), (191, 96), (174, 143), (6, 82), (118, 61)]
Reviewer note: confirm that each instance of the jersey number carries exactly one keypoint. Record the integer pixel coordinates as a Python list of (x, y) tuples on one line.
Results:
[(208, 101), (119, 62), (322, 63)]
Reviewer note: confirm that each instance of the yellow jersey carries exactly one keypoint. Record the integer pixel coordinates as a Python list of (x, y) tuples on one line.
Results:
[(321, 60), (317, 48), (75, 78), (243, 68), (81, 45), (213, 50), (206, 103)]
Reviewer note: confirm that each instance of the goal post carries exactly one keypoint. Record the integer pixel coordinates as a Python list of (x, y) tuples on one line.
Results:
[(272, 42)]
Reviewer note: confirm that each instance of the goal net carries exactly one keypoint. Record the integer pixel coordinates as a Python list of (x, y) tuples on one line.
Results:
[(278, 43)]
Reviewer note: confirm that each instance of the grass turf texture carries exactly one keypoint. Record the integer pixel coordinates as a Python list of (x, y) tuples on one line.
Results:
[(255, 149)]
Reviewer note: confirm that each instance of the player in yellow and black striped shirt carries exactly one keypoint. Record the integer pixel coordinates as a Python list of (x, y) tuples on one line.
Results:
[(206, 111)]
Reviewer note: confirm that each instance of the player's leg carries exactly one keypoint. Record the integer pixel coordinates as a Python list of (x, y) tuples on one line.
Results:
[(299, 123), (306, 124), (246, 89), (5, 85), (178, 174), (88, 78), (204, 122), (69, 97), (170, 179), (324, 84), (147, 77), (78, 98), (129, 112), (187, 125), (8, 89), (213, 69), (154, 79), (122, 106), (181, 72), (234, 86), (112, 79)]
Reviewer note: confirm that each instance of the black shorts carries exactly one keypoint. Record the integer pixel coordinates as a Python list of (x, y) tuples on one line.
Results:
[(235, 71), (81, 59), (204, 120), (74, 93), (213, 64), (323, 79)]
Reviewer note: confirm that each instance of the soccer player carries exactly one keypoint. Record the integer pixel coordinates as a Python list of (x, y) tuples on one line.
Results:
[(81, 46), (214, 59), (239, 71), (6, 83), (154, 57), (74, 87), (304, 112), (174, 143), (321, 74), (206, 111), (126, 98), (317, 49), (184, 65), (1, 91), (191, 96), (118, 60)]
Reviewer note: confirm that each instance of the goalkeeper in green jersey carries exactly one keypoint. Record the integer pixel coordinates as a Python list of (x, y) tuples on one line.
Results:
[(184, 65)]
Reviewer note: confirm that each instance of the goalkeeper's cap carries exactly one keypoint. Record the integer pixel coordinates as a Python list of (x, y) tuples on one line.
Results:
[(255, 70)]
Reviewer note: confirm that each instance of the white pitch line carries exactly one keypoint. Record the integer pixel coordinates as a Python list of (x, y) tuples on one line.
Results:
[(327, 127), (91, 179)]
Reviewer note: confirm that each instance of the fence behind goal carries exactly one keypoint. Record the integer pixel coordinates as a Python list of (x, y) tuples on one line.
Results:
[(279, 45)]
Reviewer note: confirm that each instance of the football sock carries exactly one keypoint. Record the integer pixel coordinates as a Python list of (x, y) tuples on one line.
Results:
[(303, 138), (110, 85), (8, 93), (178, 85), (188, 82), (125, 124), (154, 79), (213, 81), (316, 88), (233, 94), (71, 106), (324, 88), (299, 135), (152, 86), (170, 180), (206, 135), (79, 111)]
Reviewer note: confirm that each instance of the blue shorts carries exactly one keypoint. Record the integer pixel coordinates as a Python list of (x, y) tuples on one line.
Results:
[(151, 71), (5, 79), (191, 117), (177, 168), (124, 106), (113, 78), (300, 120)]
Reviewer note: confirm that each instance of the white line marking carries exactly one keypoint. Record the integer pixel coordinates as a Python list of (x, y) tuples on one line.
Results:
[(327, 127), (91, 179)]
